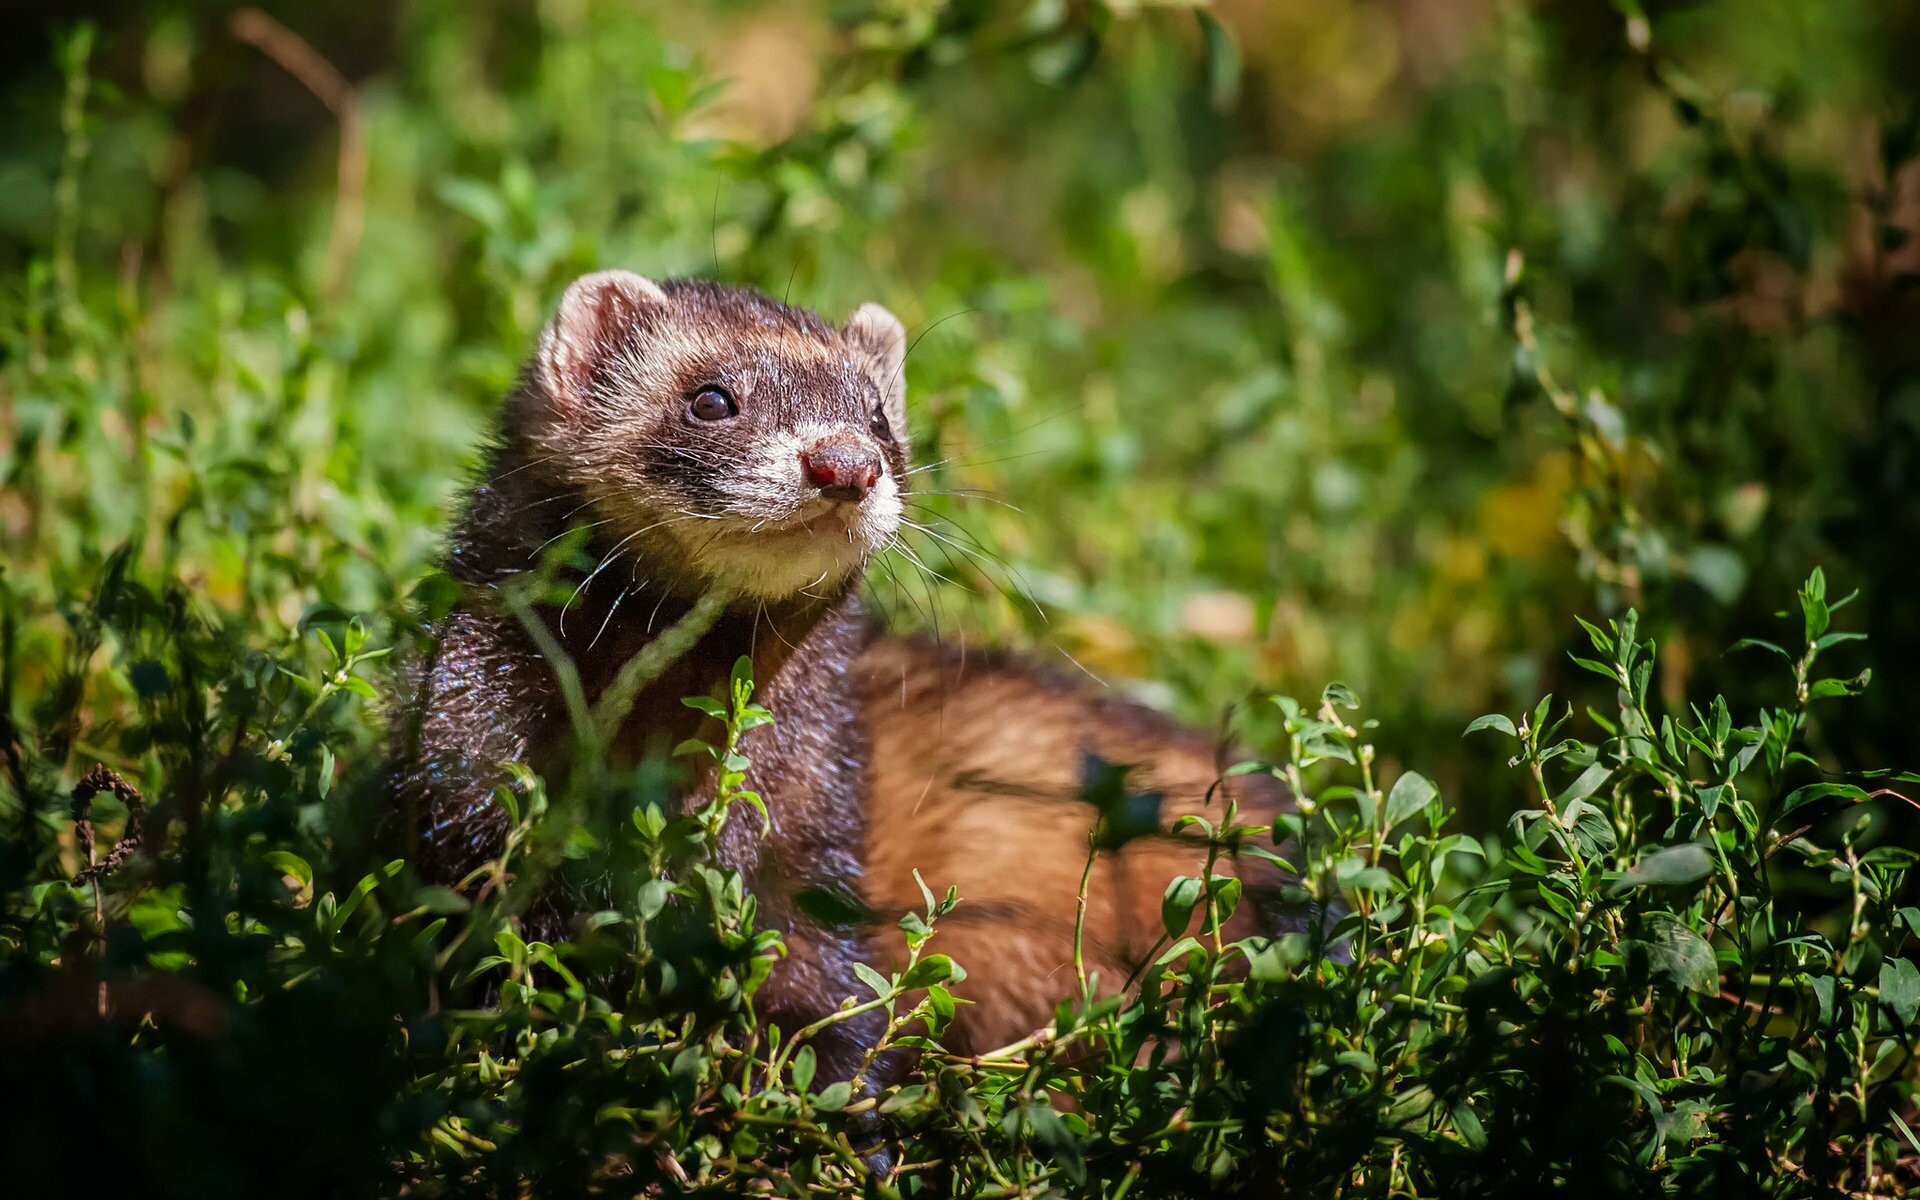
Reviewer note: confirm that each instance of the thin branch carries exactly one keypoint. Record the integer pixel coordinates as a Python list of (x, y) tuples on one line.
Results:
[(298, 58)]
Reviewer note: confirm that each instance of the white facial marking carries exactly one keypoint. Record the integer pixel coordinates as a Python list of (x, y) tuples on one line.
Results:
[(780, 537)]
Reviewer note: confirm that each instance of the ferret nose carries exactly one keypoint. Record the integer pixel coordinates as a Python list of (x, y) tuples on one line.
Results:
[(843, 469)]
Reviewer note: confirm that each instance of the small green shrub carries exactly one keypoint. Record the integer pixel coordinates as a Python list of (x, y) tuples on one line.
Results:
[(1610, 999)]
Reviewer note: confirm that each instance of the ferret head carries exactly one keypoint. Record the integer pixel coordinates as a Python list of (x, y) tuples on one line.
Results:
[(723, 435)]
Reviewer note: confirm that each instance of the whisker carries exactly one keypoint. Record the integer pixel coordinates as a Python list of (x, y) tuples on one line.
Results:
[(556, 498), (985, 557), (535, 552), (1063, 410), (605, 561), (590, 577), (537, 462), (900, 589), (971, 462), (912, 499), (902, 548), (901, 372), (775, 627), (608, 619)]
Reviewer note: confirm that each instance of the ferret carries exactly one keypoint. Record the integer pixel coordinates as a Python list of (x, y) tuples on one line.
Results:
[(708, 437)]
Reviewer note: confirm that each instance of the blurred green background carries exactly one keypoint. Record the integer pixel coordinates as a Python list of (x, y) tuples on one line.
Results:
[(1231, 323)]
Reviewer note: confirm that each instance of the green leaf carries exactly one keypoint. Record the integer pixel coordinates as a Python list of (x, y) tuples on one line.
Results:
[(834, 905), (1604, 670), (1900, 988), (1225, 898), (1834, 639), (1824, 689), (1802, 796), (441, 900), (1495, 721), (1411, 793), (652, 897), (475, 200), (880, 984), (1822, 987), (1680, 954), (1585, 785), (1813, 604), (288, 863), (337, 920), (149, 679), (1459, 843), (1368, 879), (1472, 1133), (1122, 814), (1223, 61), (1176, 907), (1339, 695), (940, 1008), (907, 1097), (804, 1063), (1906, 1132), (834, 1097), (428, 934), (1185, 945), (1687, 863), (1590, 826), (934, 968)]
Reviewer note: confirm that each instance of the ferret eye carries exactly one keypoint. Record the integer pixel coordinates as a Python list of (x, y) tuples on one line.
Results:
[(881, 429), (713, 404)]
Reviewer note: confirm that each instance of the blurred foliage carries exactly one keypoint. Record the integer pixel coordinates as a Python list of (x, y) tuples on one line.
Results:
[(1219, 306), (1255, 346)]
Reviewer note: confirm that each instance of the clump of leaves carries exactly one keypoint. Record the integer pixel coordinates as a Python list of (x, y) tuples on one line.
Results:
[(1612, 1001), (1613, 998)]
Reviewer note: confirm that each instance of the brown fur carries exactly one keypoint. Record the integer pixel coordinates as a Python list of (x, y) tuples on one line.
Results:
[(975, 779)]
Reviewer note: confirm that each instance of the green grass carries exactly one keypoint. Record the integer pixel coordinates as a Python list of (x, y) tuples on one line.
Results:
[(1299, 344)]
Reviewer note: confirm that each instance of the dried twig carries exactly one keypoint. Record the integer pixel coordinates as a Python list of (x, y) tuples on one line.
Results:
[(299, 59), (105, 779), (1787, 839)]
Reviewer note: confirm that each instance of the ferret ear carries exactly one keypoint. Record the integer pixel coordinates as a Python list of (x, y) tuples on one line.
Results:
[(879, 333), (596, 312)]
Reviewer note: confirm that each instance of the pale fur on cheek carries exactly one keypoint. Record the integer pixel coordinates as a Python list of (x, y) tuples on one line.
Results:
[(776, 562), (880, 515), (766, 485)]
